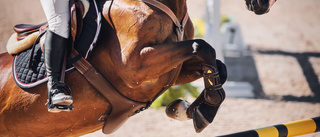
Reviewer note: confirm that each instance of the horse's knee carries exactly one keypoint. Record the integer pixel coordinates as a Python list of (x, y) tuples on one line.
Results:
[(205, 51), (203, 45)]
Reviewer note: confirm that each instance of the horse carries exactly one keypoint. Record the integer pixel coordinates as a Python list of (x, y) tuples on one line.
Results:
[(139, 53)]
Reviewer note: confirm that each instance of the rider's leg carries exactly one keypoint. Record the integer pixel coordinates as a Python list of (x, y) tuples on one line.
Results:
[(58, 16)]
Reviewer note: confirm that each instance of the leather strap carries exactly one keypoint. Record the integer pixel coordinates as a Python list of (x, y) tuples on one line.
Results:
[(124, 108), (42, 30), (168, 11)]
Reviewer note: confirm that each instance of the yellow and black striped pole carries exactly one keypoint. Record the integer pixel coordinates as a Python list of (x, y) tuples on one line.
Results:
[(290, 129)]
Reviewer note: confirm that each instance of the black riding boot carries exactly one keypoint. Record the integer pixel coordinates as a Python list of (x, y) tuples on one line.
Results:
[(55, 51)]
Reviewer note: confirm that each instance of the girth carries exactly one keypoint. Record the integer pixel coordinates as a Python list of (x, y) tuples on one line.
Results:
[(121, 107)]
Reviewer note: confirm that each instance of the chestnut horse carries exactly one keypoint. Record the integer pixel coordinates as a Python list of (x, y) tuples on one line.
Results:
[(136, 52)]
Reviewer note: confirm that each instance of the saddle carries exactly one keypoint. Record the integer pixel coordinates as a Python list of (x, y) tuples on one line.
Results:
[(31, 74), (77, 11)]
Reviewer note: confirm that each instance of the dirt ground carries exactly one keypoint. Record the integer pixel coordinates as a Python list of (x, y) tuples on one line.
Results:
[(286, 50)]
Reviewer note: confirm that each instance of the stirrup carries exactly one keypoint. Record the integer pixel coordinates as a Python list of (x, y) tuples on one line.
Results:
[(58, 108)]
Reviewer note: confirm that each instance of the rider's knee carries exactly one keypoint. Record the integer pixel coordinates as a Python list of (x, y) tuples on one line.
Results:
[(60, 25), (58, 16)]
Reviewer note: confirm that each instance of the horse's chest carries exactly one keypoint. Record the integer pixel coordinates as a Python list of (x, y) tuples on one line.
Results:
[(142, 23)]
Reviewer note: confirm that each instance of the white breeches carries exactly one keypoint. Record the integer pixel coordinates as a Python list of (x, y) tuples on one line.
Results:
[(58, 16)]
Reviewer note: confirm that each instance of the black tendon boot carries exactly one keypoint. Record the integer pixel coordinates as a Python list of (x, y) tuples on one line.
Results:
[(55, 51), (214, 95)]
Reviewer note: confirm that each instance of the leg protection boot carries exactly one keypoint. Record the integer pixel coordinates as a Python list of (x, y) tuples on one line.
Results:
[(55, 52), (214, 95)]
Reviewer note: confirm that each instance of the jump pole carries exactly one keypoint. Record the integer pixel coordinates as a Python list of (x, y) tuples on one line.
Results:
[(290, 129), (213, 22)]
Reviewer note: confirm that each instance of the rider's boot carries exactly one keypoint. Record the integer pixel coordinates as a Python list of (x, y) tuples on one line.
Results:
[(213, 96), (55, 51)]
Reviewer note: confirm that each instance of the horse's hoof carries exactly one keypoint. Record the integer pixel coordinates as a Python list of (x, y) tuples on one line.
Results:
[(203, 115), (178, 110), (199, 121)]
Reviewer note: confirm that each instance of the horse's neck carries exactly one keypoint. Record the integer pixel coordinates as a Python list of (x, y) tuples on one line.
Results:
[(179, 7)]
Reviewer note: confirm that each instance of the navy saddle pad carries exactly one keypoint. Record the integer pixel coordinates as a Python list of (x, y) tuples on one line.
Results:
[(36, 75)]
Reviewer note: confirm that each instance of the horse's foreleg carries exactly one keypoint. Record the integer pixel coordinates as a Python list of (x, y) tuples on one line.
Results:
[(205, 107), (154, 61), (223, 77), (213, 95)]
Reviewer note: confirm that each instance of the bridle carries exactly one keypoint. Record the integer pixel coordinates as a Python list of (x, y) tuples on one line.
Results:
[(179, 25)]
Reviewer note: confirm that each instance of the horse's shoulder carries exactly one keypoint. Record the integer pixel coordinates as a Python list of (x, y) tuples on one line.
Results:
[(11, 96), (137, 20)]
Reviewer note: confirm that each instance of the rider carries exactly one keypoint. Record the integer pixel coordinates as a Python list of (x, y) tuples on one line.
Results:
[(57, 39)]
